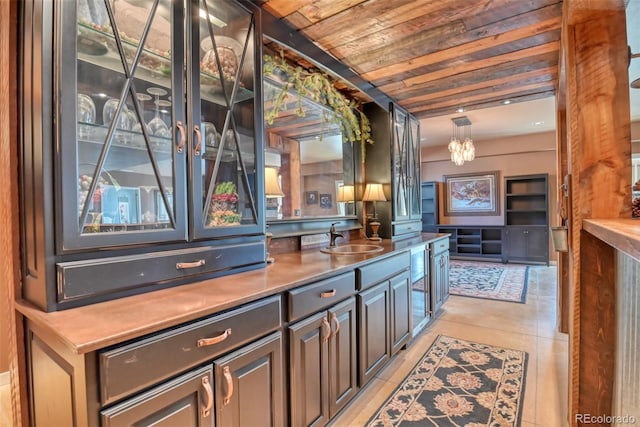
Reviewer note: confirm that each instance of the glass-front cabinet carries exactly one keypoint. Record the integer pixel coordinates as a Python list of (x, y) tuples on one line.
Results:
[(156, 108), (406, 165)]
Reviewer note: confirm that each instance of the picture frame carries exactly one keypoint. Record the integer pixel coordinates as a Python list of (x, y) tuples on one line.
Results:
[(311, 197), (325, 201), (471, 194)]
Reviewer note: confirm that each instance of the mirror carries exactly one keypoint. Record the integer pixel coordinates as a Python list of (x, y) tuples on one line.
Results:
[(309, 170)]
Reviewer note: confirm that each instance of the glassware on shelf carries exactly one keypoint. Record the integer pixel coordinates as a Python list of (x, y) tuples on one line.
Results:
[(210, 135), (157, 126), (86, 109), (109, 112), (86, 114)]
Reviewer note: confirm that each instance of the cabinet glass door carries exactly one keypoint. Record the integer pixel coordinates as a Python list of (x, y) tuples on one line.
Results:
[(401, 158), (121, 110), (413, 140), (223, 91)]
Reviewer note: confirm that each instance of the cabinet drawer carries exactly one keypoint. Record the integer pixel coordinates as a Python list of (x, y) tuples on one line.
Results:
[(95, 277), (137, 365), (440, 246), (379, 270), (311, 298), (407, 227)]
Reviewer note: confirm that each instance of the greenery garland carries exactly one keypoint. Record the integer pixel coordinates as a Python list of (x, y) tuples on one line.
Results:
[(317, 86)]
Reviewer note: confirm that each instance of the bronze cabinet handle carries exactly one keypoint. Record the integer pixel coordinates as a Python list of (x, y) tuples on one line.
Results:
[(326, 329), (183, 136), (196, 129), (194, 264), (209, 393), (228, 379), (203, 342), (336, 323), (328, 294)]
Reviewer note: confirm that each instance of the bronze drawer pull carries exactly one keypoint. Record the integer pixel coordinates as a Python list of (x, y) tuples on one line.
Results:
[(229, 382), (328, 294), (196, 129), (209, 392), (183, 138), (185, 265), (203, 342)]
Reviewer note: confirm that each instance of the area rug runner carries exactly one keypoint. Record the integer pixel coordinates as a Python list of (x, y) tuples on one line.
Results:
[(459, 383), (503, 282)]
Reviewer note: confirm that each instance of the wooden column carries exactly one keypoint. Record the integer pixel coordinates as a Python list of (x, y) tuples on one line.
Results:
[(594, 53), (9, 235)]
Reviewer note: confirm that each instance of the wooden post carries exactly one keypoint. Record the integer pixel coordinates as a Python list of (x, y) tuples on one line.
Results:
[(9, 235), (595, 81)]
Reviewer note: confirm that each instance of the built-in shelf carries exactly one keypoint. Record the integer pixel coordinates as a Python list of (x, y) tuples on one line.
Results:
[(430, 190), (474, 242)]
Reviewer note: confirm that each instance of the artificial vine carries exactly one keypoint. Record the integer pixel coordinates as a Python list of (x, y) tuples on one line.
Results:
[(317, 86)]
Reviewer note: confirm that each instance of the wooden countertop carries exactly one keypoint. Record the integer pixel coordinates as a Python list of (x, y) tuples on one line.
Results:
[(95, 326), (622, 234)]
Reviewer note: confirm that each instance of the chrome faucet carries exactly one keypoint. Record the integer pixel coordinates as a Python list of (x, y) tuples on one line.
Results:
[(333, 235)]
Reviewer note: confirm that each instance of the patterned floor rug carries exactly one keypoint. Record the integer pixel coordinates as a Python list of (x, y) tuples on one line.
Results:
[(459, 383), (504, 282)]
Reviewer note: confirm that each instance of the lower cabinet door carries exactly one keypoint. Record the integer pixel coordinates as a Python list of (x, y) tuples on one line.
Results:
[(186, 401), (309, 365), (374, 342), (440, 280), (342, 355), (401, 311), (250, 385)]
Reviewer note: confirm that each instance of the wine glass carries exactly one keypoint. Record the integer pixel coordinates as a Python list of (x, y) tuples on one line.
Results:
[(86, 114), (157, 126)]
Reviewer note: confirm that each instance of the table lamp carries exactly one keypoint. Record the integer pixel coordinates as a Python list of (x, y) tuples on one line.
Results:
[(271, 189), (346, 194), (374, 193)]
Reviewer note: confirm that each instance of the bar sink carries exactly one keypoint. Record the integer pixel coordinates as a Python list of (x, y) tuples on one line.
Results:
[(353, 249)]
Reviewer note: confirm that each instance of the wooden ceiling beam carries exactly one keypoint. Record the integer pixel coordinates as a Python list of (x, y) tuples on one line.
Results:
[(543, 74), (465, 49), (483, 104), (453, 102), (417, 83)]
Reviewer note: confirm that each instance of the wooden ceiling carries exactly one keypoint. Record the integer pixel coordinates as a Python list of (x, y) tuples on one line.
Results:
[(434, 56)]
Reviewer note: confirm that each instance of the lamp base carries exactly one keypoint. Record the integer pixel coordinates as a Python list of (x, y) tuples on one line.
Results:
[(375, 225), (270, 259)]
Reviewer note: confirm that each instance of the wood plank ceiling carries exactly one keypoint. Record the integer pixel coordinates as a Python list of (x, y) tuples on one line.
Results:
[(434, 56)]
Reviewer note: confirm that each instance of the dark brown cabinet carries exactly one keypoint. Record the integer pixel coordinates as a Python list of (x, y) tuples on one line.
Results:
[(322, 364), (143, 166), (527, 218), (374, 327), (396, 165), (249, 385), (185, 401), (384, 313), (439, 273)]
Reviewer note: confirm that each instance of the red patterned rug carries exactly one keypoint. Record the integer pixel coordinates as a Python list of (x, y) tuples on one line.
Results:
[(459, 383), (503, 282)]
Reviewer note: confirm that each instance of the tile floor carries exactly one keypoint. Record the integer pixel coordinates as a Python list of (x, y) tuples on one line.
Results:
[(529, 327)]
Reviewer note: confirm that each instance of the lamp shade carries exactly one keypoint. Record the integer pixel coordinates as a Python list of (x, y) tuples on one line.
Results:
[(271, 184), (374, 193), (345, 194)]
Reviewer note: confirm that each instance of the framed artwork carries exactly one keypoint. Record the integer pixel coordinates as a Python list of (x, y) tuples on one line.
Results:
[(471, 194), (325, 201), (312, 197)]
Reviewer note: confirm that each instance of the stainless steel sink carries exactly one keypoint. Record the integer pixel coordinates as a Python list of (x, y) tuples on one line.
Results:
[(353, 249)]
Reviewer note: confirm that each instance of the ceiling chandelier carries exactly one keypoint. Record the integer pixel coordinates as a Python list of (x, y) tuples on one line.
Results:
[(461, 146)]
